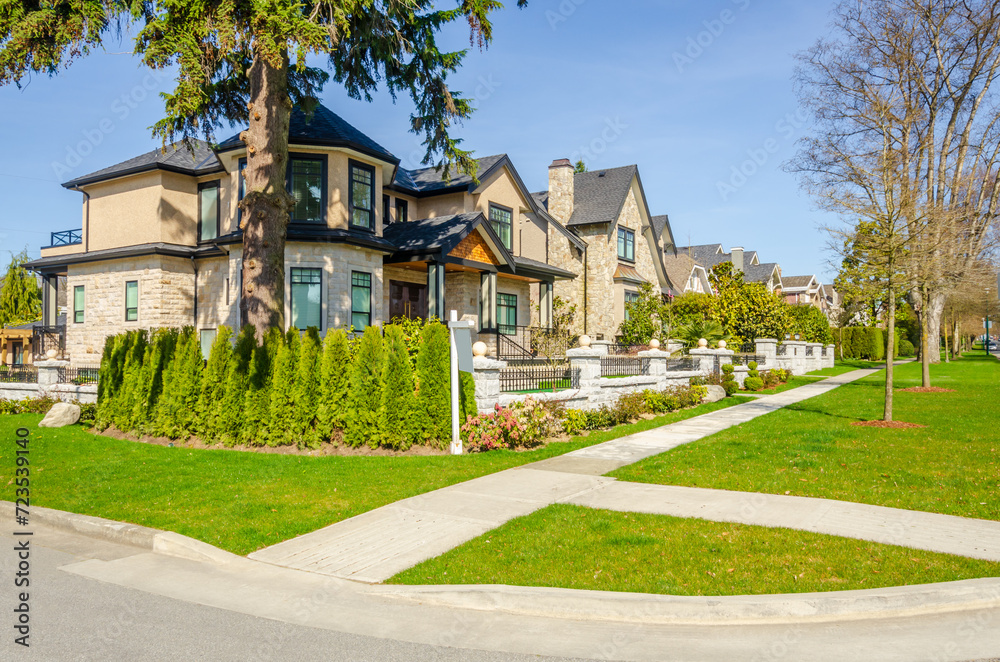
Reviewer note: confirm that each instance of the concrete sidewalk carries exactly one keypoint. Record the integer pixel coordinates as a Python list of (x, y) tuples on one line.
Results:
[(974, 538), (380, 543)]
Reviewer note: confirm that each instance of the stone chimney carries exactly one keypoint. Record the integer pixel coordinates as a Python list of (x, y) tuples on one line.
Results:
[(737, 254), (561, 190)]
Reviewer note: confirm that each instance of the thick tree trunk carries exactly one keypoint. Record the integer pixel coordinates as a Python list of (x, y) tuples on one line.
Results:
[(925, 344), (935, 313), (266, 203), (956, 337)]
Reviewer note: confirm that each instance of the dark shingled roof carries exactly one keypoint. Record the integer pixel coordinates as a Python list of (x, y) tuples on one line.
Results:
[(430, 234), (598, 196), (541, 199), (707, 255), (426, 180), (544, 267), (759, 273), (659, 223), (194, 157), (796, 281), (325, 128)]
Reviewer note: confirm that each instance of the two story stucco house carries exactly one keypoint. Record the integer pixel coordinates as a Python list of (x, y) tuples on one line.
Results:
[(160, 243)]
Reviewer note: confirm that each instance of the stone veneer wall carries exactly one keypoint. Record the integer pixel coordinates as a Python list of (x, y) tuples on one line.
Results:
[(166, 298), (565, 255), (337, 262)]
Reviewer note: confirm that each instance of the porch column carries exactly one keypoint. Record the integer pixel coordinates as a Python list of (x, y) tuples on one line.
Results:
[(50, 310), (545, 304), (488, 300), (435, 291)]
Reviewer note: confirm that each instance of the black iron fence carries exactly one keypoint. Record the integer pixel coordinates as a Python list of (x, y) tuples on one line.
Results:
[(745, 359), (747, 348), (48, 337), (823, 351), (19, 374), (682, 363), (524, 379), (782, 350), (809, 350), (624, 366), (623, 349), (79, 375)]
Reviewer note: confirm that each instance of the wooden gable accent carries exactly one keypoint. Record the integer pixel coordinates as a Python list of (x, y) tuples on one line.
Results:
[(474, 248)]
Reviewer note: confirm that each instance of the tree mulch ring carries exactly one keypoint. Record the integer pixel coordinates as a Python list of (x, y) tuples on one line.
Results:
[(927, 389), (887, 424)]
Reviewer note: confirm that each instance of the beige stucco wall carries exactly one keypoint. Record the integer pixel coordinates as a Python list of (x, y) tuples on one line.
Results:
[(166, 298), (532, 238), (442, 205)]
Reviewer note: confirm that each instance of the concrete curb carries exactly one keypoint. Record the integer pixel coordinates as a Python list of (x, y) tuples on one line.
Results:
[(648, 609), (160, 542)]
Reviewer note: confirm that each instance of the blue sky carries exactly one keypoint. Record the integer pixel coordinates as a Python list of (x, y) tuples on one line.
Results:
[(690, 91)]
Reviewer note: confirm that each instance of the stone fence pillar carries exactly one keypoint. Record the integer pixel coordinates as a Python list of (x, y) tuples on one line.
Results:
[(599, 346), (588, 360), (48, 372), (707, 358), (768, 348), (815, 361), (486, 372), (796, 355), (657, 362), (830, 356)]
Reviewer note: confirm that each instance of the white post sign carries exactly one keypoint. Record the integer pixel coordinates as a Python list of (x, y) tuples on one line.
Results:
[(461, 359)]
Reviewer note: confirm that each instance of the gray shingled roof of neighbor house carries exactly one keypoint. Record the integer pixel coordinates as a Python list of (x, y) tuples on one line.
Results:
[(192, 157), (678, 270), (598, 195), (430, 179), (789, 282), (759, 273), (325, 128)]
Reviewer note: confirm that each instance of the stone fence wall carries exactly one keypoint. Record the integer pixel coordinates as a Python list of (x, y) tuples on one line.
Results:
[(48, 385), (595, 390)]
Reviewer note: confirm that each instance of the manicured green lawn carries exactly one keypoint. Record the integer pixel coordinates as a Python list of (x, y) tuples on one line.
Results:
[(573, 547), (794, 382), (810, 449), (240, 501), (850, 365)]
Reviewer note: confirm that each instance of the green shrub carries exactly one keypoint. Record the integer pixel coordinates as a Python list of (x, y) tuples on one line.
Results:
[(729, 383), (335, 377), (433, 382), (906, 348), (522, 425), (365, 397), (753, 383), (281, 423), (399, 423), (175, 410), (213, 385), (257, 401), (230, 411), (304, 391)]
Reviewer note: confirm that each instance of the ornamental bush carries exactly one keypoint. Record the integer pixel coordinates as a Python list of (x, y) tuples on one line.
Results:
[(334, 379), (257, 399), (229, 412), (753, 381), (728, 381), (213, 385), (434, 382), (522, 425), (365, 397), (906, 348), (398, 420)]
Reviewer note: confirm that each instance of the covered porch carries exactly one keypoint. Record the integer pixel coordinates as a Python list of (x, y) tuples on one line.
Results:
[(459, 263)]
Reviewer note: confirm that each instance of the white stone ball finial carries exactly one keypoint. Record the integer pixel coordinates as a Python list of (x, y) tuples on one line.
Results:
[(654, 344), (52, 353), (722, 344), (702, 343), (584, 341), (479, 349)]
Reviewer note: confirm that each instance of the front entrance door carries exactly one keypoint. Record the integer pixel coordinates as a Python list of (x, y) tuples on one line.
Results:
[(407, 300)]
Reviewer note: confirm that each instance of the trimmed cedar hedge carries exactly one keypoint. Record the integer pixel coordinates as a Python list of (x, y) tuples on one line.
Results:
[(294, 388), (861, 342)]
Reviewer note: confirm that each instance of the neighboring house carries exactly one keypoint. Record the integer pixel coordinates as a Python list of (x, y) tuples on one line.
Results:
[(754, 271), (23, 344), (686, 275), (367, 241), (805, 290), (834, 305), (624, 246)]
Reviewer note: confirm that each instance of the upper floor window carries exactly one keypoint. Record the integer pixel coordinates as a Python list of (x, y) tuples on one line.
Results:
[(307, 186), (362, 196), (385, 209), (402, 211), (626, 244), (208, 211), (307, 302), (131, 300), (502, 220)]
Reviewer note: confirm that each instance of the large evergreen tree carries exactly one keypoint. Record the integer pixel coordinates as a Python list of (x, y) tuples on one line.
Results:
[(20, 297), (245, 62)]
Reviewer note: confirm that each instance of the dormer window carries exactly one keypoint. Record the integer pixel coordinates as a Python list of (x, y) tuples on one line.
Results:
[(307, 186), (362, 196), (626, 244), (502, 221)]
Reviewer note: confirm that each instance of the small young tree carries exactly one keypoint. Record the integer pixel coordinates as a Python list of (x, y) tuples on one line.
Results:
[(434, 382), (20, 296), (131, 386), (161, 352), (646, 318), (335, 377), (282, 419), (365, 397), (257, 406), (175, 411), (399, 423)]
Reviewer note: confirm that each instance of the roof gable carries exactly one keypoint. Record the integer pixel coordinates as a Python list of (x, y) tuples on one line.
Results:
[(599, 195), (189, 157), (427, 181)]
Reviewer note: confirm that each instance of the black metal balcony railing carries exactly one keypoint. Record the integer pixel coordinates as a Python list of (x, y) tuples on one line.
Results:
[(67, 237), (19, 374), (524, 379), (624, 366)]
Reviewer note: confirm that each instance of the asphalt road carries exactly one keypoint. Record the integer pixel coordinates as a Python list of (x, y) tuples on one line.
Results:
[(77, 619)]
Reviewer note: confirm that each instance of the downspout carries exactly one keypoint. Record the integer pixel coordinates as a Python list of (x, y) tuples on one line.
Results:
[(194, 266), (586, 275)]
